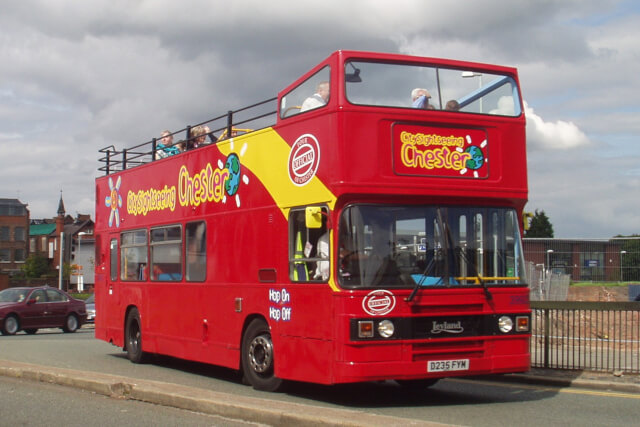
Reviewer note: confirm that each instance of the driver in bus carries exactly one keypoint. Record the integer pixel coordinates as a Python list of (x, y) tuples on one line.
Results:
[(322, 251)]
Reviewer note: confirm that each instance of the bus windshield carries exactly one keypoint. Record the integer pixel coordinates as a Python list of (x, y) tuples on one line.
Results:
[(431, 88), (408, 246)]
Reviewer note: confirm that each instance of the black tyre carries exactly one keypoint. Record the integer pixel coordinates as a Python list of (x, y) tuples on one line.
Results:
[(71, 324), (258, 357), (133, 338), (11, 325), (31, 331), (417, 385)]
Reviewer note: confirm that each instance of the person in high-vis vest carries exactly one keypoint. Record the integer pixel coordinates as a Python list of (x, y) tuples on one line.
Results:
[(300, 272)]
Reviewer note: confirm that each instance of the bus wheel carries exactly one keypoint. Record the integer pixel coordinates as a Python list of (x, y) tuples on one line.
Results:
[(258, 357), (70, 324), (417, 385), (11, 325), (133, 338)]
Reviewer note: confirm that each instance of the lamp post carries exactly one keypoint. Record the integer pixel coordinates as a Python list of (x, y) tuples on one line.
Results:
[(60, 272), (621, 253), (549, 252)]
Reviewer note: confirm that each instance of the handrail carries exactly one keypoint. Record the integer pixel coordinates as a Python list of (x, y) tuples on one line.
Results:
[(477, 279), (586, 305), (144, 152)]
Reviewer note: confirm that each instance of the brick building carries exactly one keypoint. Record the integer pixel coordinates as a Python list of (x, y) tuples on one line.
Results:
[(582, 259), (77, 244), (14, 228)]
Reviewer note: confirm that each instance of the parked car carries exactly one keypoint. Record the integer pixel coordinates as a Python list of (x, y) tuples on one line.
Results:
[(90, 303), (30, 309)]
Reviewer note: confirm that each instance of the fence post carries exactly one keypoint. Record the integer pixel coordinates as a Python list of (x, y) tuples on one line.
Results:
[(547, 328)]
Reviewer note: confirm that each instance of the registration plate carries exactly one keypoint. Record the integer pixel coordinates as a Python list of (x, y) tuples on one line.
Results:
[(448, 365)]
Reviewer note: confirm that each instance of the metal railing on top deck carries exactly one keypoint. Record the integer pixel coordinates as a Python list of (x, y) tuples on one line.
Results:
[(254, 116)]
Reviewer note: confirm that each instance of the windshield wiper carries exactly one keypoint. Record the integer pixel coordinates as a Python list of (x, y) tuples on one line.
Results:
[(419, 283), (449, 242), (487, 292)]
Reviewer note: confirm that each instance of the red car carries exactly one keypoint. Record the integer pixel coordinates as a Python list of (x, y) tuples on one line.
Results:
[(30, 309)]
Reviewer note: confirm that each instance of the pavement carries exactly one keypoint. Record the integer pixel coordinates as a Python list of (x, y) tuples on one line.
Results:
[(271, 412)]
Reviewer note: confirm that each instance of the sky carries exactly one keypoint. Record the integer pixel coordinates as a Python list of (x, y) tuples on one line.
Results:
[(77, 76)]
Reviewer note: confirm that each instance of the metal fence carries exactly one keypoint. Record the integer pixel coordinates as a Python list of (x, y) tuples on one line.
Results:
[(545, 285), (595, 336)]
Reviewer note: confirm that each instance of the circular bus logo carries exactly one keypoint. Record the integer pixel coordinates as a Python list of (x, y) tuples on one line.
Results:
[(304, 159), (379, 302)]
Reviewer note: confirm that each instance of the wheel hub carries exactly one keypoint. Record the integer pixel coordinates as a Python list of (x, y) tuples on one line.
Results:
[(260, 353)]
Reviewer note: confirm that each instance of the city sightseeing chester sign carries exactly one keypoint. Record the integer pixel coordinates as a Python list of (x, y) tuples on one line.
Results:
[(208, 185), (435, 151)]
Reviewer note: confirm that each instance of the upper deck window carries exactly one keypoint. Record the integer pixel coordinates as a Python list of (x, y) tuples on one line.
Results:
[(401, 85), (311, 94)]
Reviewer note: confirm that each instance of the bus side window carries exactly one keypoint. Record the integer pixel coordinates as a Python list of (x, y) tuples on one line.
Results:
[(113, 259), (196, 251), (133, 255), (166, 253), (309, 251)]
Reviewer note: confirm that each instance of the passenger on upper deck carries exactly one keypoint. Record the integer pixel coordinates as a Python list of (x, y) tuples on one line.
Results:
[(318, 99), (207, 133), (452, 105), (166, 148), (197, 137), (420, 98)]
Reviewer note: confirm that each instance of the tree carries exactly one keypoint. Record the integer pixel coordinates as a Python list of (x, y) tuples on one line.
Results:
[(67, 269), (35, 266), (540, 226)]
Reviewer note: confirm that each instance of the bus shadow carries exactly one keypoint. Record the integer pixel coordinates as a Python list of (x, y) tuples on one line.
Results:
[(380, 394), (447, 392)]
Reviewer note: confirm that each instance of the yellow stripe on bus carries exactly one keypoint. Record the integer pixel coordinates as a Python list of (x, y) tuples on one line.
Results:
[(266, 154)]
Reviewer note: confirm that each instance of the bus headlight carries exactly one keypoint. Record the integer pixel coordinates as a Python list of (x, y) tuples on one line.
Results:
[(505, 324), (386, 328)]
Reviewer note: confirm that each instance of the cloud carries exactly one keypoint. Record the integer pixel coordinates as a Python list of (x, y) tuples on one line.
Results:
[(79, 76), (558, 135), (584, 196)]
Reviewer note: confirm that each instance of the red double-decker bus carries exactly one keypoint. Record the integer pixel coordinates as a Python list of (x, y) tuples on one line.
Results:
[(362, 225)]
